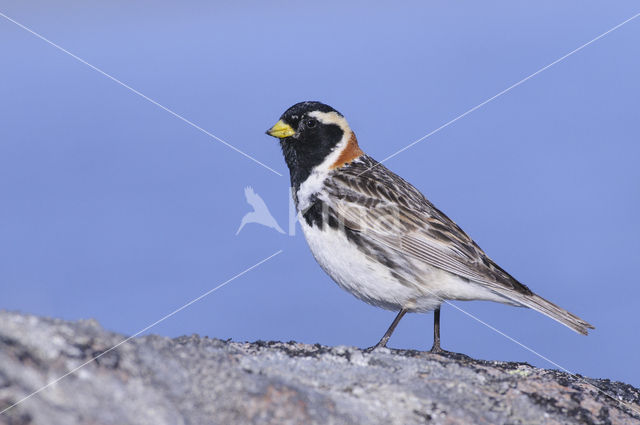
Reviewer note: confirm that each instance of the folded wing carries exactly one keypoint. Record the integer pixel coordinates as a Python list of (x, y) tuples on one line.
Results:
[(373, 200)]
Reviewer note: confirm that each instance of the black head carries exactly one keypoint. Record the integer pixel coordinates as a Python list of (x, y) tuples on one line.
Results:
[(308, 133)]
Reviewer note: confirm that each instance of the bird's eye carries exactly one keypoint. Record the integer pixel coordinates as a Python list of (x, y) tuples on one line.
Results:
[(310, 123)]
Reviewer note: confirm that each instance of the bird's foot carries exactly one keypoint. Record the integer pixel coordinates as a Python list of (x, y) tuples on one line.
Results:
[(375, 347), (450, 354), (437, 350)]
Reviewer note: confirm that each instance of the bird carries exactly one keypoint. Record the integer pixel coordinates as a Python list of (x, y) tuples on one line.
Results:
[(260, 213), (378, 237)]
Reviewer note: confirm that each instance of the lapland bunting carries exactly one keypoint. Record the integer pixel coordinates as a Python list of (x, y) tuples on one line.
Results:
[(378, 237)]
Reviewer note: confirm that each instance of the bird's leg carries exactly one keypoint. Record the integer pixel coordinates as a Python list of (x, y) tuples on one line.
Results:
[(436, 332), (387, 334)]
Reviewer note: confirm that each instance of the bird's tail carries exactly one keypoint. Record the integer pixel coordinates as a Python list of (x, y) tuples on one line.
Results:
[(556, 313)]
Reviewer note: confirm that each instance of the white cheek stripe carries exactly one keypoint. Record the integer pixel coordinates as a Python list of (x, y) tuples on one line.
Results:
[(331, 118), (313, 183)]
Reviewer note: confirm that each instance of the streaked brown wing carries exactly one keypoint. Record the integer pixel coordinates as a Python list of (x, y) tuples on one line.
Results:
[(377, 202)]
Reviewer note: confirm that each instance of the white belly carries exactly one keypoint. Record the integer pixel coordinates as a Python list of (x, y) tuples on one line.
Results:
[(373, 283), (367, 279)]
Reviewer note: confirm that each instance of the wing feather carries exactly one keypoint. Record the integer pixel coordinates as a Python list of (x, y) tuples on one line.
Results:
[(368, 198), (391, 211)]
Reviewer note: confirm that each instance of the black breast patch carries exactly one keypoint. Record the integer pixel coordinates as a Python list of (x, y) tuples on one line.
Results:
[(320, 213)]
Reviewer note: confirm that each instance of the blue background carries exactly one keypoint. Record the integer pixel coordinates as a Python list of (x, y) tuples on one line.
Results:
[(111, 208)]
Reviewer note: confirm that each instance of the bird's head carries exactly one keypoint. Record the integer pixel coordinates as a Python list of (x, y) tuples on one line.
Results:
[(314, 136)]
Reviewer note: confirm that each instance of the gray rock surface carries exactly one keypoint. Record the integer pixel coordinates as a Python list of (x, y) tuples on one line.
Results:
[(194, 380)]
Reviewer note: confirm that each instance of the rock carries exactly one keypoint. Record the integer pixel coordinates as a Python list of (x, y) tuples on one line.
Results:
[(198, 380)]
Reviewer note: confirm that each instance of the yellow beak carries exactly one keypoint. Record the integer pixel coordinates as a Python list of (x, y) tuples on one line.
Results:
[(281, 130)]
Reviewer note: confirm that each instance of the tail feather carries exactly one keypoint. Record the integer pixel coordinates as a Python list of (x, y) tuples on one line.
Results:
[(551, 310)]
